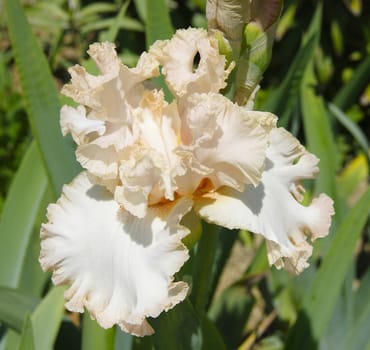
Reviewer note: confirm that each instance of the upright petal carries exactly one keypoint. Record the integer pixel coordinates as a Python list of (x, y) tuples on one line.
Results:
[(271, 208), (226, 138), (74, 121), (104, 129), (178, 57), (120, 268)]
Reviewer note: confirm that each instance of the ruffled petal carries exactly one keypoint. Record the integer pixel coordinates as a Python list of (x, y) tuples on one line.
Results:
[(74, 121), (271, 208), (148, 174), (225, 138), (183, 74), (120, 268), (112, 94), (110, 98), (140, 175)]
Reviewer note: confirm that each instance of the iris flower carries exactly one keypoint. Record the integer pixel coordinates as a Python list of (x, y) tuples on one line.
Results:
[(115, 234)]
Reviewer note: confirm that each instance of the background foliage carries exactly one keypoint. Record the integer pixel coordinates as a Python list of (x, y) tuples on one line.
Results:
[(317, 83)]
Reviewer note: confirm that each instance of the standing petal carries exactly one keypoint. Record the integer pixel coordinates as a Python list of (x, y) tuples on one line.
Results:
[(183, 74), (120, 268), (104, 129), (226, 139), (271, 208)]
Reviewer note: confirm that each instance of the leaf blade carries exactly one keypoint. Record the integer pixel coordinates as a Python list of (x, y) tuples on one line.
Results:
[(30, 184), (47, 318), (27, 342), (14, 306), (158, 23), (320, 300), (41, 98)]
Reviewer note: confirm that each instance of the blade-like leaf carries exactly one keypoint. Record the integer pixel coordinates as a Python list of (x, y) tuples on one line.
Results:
[(112, 32), (225, 242), (317, 128), (158, 23), (14, 306), (320, 300), (19, 214), (319, 137), (283, 100), (27, 341), (41, 97), (94, 337), (351, 177), (182, 329), (203, 264), (97, 8), (352, 127), (352, 89), (357, 336), (157, 27), (230, 313), (47, 317)]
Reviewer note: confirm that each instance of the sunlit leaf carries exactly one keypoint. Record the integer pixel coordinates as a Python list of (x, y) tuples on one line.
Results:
[(182, 329), (352, 127), (355, 173), (351, 90), (27, 341), (47, 317), (94, 337), (112, 32), (158, 23), (283, 100), (14, 306), (320, 300), (41, 97), (19, 215), (230, 313)]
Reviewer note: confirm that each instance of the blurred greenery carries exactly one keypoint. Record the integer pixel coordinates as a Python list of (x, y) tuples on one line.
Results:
[(318, 83)]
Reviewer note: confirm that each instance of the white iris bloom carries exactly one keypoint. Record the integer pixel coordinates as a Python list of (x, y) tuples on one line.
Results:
[(115, 235)]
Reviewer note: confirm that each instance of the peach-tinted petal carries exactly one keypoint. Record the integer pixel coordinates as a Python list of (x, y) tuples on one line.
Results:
[(225, 138), (106, 130), (271, 209), (120, 268), (74, 120), (183, 74)]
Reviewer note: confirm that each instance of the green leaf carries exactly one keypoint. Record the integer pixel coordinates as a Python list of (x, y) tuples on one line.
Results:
[(357, 336), (225, 242), (123, 340), (41, 98), (283, 101), (157, 27), (203, 265), (182, 329), (47, 318), (158, 22), (320, 140), (140, 6), (352, 127), (320, 300), (112, 32), (230, 313), (95, 337), (211, 254), (97, 8), (352, 89), (27, 341), (19, 215), (107, 23), (355, 173), (14, 306)]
